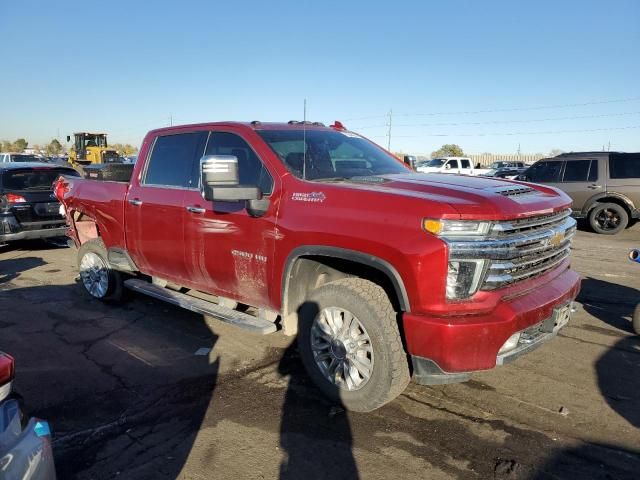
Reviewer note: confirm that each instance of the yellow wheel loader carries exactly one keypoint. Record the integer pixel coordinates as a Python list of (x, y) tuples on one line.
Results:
[(90, 149)]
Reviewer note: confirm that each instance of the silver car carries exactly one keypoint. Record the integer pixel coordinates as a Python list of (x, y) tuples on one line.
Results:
[(25, 446)]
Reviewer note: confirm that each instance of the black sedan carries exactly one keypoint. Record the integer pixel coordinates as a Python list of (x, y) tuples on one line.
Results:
[(28, 208)]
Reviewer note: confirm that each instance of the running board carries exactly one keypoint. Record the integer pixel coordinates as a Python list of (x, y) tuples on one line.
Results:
[(239, 319)]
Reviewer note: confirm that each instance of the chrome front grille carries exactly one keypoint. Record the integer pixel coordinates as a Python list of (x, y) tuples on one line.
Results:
[(520, 249)]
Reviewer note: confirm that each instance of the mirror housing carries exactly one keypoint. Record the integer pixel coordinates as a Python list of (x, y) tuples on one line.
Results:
[(68, 138), (447, 166), (220, 181)]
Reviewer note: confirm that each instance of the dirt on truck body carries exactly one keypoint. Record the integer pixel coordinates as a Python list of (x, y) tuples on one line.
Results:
[(383, 273)]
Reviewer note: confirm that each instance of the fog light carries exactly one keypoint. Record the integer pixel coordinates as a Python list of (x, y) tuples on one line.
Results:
[(463, 278), (510, 344)]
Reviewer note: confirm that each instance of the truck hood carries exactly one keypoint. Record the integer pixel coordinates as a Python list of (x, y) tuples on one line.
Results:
[(473, 197)]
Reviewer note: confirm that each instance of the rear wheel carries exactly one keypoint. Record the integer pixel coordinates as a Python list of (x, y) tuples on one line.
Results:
[(98, 279), (608, 218), (350, 344)]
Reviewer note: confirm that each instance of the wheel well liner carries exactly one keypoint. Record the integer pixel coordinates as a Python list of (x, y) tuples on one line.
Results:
[(609, 197)]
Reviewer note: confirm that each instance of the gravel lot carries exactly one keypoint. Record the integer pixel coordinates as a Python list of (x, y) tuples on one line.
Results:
[(128, 396)]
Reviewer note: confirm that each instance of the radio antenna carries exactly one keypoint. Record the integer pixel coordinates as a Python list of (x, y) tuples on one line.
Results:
[(304, 140)]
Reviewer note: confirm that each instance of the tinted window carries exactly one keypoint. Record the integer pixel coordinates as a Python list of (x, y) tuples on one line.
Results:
[(545, 171), (323, 154), (453, 163), (624, 165), (465, 163), (576, 171), (173, 158), (24, 158), (250, 167), (34, 179)]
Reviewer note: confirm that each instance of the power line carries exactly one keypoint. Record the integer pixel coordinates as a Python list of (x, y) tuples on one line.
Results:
[(499, 122), (548, 132), (511, 109)]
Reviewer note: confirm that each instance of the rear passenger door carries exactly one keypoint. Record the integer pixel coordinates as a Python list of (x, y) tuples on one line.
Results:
[(624, 176), (154, 207), (579, 181), (465, 167)]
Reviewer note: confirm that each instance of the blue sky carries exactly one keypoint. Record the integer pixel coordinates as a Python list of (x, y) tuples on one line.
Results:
[(125, 66)]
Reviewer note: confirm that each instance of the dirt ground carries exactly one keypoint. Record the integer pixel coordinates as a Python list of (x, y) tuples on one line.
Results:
[(148, 391)]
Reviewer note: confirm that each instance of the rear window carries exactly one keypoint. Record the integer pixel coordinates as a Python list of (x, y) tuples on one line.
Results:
[(34, 179), (624, 165), (24, 158)]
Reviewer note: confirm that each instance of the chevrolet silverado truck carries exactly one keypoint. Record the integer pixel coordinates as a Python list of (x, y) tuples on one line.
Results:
[(381, 272)]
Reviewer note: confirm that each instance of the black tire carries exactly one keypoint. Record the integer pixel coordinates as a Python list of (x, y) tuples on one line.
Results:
[(114, 291), (636, 319), (370, 305), (608, 218)]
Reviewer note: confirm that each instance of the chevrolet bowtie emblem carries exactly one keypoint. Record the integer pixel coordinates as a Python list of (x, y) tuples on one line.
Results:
[(557, 239)]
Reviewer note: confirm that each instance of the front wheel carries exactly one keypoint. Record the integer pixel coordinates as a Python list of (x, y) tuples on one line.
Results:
[(608, 218), (97, 277), (350, 344)]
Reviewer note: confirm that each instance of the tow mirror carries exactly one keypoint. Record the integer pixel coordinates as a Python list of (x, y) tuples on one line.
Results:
[(447, 167), (220, 180)]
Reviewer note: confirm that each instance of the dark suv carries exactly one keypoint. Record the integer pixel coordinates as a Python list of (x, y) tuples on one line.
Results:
[(604, 186), (28, 208)]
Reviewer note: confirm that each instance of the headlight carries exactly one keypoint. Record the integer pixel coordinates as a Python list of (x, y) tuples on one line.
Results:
[(463, 278), (450, 228)]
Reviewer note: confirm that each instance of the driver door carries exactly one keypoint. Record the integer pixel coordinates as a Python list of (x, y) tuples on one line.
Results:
[(227, 251)]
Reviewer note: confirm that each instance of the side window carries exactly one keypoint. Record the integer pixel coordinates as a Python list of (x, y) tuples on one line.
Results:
[(593, 171), (453, 163), (252, 171), (624, 165), (576, 171), (465, 164), (545, 171), (172, 159)]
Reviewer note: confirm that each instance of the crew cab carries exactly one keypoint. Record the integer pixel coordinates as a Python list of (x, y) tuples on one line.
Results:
[(320, 233), (28, 208)]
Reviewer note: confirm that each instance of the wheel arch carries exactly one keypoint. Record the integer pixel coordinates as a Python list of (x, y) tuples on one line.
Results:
[(609, 197), (310, 266)]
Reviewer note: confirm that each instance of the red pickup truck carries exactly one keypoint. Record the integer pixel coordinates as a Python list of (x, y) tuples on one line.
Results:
[(382, 272)]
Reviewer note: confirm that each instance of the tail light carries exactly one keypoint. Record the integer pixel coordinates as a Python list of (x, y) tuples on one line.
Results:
[(7, 369), (13, 198), (60, 187)]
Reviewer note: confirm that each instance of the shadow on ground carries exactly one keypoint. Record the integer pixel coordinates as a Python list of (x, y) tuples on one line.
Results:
[(95, 371), (618, 369)]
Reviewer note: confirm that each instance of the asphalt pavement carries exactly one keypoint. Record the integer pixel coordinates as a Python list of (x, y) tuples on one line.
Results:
[(145, 390)]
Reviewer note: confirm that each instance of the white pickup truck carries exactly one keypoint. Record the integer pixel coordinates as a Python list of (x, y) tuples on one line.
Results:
[(460, 165)]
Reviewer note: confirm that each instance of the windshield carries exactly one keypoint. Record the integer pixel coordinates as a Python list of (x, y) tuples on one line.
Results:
[(24, 158), (330, 154), (95, 140), (34, 179), (436, 162)]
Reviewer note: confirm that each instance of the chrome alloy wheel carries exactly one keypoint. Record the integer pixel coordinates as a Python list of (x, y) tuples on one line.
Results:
[(94, 275), (342, 348)]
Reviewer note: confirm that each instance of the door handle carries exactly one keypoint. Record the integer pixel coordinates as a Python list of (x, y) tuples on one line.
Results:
[(135, 202), (193, 209), (594, 187)]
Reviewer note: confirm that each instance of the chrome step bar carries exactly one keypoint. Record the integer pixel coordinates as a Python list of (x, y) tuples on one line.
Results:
[(197, 305)]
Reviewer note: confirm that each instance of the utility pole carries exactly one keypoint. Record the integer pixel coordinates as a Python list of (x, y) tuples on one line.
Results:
[(389, 132), (609, 146), (518, 150), (170, 119)]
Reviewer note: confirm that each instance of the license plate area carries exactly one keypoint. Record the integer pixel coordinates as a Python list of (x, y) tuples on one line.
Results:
[(560, 317)]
